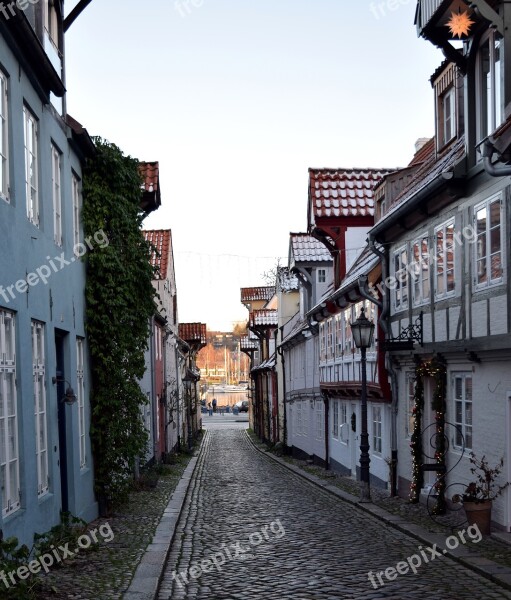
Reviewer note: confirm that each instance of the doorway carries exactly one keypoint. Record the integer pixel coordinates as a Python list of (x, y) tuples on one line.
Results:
[(60, 386)]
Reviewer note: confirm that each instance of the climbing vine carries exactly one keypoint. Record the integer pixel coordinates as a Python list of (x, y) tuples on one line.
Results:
[(435, 369), (120, 302)]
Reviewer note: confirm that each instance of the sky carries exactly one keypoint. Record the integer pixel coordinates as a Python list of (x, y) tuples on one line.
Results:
[(236, 99)]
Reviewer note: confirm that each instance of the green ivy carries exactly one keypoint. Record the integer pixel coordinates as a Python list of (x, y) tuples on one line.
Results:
[(120, 303)]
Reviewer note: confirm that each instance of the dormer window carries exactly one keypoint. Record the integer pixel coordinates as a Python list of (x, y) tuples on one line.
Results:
[(51, 21), (448, 115), (446, 103), (489, 78)]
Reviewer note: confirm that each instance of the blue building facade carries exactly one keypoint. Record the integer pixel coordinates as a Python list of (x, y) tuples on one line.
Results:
[(45, 454)]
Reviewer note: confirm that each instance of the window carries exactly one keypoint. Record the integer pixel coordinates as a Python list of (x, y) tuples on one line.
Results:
[(401, 275), (321, 275), (444, 259), (77, 208), (322, 341), (490, 85), (339, 341), (335, 419), (320, 421), (9, 456), (80, 395), (489, 243), (31, 172), (4, 139), (420, 271), (348, 339), (329, 339), (448, 115), (41, 429), (410, 403), (462, 392), (51, 22), (57, 195), (377, 429), (344, 413)]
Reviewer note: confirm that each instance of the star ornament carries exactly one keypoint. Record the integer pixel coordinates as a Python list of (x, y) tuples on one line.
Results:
[(460, 24)]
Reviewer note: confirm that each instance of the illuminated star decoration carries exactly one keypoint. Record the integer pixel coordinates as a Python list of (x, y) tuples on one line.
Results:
[(460, 24)]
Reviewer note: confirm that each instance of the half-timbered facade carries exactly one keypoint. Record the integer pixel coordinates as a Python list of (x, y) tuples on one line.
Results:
[(444, 239)]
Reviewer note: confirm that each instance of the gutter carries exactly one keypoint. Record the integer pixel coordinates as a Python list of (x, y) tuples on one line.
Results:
[(385, 325), (487, 150)]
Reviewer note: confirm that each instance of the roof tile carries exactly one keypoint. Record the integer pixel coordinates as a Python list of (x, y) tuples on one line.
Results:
[(161, 244), (306, 248), (355, 187)]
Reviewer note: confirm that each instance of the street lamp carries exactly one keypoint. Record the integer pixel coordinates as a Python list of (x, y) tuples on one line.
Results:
[(363, 331)]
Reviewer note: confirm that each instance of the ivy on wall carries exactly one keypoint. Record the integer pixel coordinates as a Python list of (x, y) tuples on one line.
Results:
[(120, 302), (436, 370)]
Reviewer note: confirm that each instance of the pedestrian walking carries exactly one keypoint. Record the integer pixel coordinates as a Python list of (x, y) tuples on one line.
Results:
[(210, 409), (214, 405)]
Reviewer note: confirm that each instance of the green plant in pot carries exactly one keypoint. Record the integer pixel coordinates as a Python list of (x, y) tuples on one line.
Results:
[(480, 493)]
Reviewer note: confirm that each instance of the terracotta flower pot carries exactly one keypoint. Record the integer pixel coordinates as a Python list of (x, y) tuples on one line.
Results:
[(479, 513)]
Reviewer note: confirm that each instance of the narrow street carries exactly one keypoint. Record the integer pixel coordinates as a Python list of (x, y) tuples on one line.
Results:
[(252, 529)]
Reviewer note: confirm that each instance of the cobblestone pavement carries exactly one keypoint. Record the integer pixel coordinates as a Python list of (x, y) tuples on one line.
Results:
[(280, 537)]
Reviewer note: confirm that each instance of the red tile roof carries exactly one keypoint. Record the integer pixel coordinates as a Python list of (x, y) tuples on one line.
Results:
[(151, 194), (432, 166), (257, 293), (305, 248), (343, 192), (263, 318), (423, 153), (193, 333), (150, 172), (161, 242)]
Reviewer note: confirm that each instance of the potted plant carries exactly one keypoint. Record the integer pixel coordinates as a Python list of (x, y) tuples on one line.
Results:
[(480, 493)]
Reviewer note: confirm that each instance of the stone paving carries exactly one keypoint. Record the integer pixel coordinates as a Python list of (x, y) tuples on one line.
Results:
[(274, 535)]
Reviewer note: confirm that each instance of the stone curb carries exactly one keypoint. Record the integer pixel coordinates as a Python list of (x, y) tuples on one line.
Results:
[(145, 582), (499, 574)]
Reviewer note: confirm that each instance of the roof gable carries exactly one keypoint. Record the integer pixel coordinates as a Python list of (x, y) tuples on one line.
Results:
[(161, 249)]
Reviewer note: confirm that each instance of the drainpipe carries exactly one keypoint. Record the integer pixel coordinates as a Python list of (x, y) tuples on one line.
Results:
[(327, 431), (385, 325), (487, 150), (283, 362), (178, 395)]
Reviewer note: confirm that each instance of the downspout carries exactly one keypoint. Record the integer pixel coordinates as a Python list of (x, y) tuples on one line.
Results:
[(283, 362), (385, 325), (327, 431), (276, 387), (178, 394), (487, 151)]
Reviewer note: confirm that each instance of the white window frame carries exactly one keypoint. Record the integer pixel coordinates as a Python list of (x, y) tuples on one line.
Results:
[(31, 136), (322, 341), (348, 336), (335, 419), (77, 208), (376, 438), (463, 418), (443, 261), (9, 453), (400, 292), (487, 243), (330, 352), (448, 121), (4, 137), (40, 408), (421, 269), (56, 186), (490, 111), (321, 275), (410, 403), (80, 396), (339, 335)]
